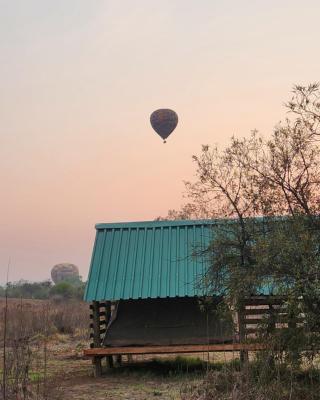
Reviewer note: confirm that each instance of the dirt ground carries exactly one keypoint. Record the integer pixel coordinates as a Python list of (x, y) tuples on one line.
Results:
[(145, 378), (119, 387), (134, 382)]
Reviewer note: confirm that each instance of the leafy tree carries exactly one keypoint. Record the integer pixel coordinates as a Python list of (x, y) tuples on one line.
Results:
[(64, 290), (68, 290), (269, 192)]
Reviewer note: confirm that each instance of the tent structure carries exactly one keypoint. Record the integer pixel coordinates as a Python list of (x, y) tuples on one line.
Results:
[(148, 294)]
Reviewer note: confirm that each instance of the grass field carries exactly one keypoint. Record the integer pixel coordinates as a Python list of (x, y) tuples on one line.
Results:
[(44, 361)]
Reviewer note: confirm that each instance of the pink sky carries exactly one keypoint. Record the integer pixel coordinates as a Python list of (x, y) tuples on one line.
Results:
[(78, 82)]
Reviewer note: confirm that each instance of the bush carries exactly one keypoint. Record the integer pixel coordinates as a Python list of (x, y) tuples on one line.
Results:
[(27, 290), (260, 381), (69, 289)]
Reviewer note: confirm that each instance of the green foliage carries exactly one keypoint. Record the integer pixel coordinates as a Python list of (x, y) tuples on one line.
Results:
[(68, 290), (27, 290), (63, 289), (73, 280), (278, 256), (291, 247), (71, 289)]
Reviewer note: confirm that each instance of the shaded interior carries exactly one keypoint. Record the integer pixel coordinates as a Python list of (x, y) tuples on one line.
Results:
[(168, 321)]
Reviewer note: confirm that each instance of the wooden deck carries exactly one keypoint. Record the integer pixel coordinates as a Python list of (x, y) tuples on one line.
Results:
[(107, 351)]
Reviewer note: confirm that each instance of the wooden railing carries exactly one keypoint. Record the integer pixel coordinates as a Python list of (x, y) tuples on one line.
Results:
[(100, 316), (266, 313)]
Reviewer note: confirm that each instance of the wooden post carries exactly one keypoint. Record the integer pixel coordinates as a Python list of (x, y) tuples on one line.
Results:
[(292, 325), (96, 336), (272, 319), (270, 333), (244, 355), (108, 317), (118, 360), (109, 361)]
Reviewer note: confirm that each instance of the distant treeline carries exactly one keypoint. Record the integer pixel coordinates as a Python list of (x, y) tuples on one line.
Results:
[(69, 289)]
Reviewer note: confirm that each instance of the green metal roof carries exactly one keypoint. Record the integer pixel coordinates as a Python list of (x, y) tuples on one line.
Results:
[(147, 260)]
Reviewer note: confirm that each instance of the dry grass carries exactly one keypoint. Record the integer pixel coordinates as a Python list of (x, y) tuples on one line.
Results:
[(45, 361), (28, 318), (30, 329), (45, 343)]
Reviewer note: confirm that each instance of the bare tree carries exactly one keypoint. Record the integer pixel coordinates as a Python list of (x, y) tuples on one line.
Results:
[(258, 177), (266, 178), (305, 104)]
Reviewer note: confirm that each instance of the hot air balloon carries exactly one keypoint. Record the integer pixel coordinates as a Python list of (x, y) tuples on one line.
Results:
[(64, 272), (164, 121)]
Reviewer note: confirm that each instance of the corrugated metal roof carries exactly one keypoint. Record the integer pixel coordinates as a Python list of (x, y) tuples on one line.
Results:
[(147, 260)]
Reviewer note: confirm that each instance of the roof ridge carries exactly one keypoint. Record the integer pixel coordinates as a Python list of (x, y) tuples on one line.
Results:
[(146, 224)]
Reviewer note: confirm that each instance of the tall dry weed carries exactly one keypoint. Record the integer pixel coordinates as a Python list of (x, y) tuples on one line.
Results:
[(29, 327), (258, 381)]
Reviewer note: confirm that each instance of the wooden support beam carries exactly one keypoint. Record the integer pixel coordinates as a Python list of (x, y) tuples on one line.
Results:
[(101, 322), (262, 311), (119, 360), (101, 313), (96, 337), (101, 305), (272, 320), (107, 312), (244, 357), (262, 301), (109, 361), (107, 318), (251, 331), (102, 331), (104, 351)]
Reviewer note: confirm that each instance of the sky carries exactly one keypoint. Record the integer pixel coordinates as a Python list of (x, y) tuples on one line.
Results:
[(78, 82)]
